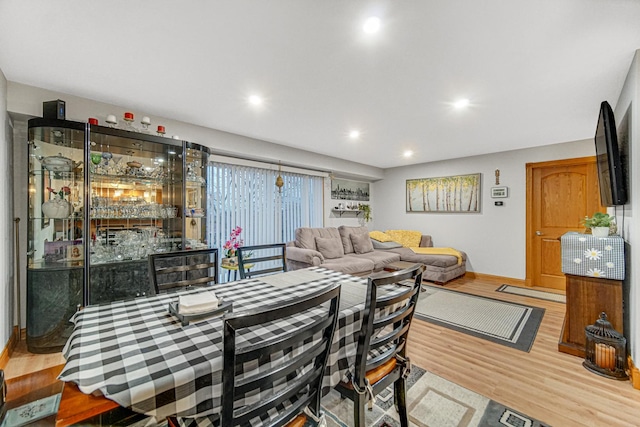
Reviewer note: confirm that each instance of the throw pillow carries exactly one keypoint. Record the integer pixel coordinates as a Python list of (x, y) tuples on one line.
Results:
[(407, 238), (385, 245), (330, 247), (361, 243), (380, 236)]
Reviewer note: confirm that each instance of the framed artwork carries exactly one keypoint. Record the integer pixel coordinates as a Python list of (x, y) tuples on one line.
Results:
[(342, 189), (74, 253), (457, 193)]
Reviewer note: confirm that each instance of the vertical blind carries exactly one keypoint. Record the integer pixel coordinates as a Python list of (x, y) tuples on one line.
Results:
[(247, 197)]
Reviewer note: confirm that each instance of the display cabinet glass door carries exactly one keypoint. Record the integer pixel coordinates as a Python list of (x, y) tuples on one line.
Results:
[(55, 229), (196, 168), (135, 206)]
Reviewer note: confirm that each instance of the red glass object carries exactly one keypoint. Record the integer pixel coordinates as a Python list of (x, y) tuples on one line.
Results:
[(128, 116), (161, 129), (93, 121)]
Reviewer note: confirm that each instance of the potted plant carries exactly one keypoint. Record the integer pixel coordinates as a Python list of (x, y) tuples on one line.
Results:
[(599, 223), (366, 212)]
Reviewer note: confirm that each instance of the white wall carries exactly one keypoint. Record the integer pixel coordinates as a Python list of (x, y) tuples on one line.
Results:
[(626, 106), (27, 100), (494, 239), (6, 221)]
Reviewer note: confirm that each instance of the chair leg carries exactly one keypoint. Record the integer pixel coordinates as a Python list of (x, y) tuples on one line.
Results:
[(400, 397), (359, 403)]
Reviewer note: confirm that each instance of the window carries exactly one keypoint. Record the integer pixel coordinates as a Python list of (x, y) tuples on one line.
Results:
[(247, 197)]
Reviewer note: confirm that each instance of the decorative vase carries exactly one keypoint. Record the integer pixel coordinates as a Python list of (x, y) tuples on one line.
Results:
[(600, 231), (230, 261), (57, 208)]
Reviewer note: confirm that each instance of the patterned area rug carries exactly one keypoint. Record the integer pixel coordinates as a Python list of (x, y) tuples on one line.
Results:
[(533, 293), (506, 323), (432, 402)]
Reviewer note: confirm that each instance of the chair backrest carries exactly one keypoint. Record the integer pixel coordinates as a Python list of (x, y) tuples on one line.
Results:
[(178, 270), (386, 319), (298, 343), (262, 259)]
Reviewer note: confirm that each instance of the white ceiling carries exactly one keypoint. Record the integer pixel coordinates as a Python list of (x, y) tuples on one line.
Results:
[(534, 71)]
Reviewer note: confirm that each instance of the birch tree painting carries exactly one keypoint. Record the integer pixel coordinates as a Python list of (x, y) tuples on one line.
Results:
[(459, 193)]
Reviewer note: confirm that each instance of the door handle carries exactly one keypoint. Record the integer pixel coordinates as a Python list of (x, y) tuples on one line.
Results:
[(539, 233)]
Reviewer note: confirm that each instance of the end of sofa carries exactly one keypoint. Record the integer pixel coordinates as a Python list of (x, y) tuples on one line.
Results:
[(298, 258)]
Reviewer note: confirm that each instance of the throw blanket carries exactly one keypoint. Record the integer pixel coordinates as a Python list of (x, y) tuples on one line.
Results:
[(439, 251)]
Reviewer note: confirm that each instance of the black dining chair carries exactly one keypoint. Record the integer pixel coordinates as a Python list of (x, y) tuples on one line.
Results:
[(382, 343), (262, 259), (173, 271), (284, 388)]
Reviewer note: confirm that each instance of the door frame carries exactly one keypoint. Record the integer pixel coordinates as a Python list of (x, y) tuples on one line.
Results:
[(529, 226)]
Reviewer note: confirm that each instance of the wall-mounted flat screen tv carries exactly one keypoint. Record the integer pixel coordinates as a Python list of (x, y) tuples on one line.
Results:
[(610, 172)]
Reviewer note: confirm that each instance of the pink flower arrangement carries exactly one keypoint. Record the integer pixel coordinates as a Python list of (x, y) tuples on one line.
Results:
[(233, 243), (64, 190)]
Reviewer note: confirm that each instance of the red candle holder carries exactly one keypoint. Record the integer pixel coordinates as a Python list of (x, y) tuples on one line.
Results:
[(128, 116)]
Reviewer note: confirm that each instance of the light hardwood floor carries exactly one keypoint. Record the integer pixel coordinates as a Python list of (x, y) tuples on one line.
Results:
[(544, 383)]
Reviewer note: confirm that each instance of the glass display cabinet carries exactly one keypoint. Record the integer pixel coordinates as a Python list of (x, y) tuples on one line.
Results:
[(100, 201)]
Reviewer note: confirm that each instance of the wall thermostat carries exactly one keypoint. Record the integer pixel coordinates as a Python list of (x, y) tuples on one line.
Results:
[(499, 192)]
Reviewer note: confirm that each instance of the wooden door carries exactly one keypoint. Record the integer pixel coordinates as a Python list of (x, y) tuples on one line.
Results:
[(559, 194)]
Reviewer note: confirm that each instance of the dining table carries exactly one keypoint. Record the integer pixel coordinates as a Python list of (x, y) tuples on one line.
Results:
[(138, 354)]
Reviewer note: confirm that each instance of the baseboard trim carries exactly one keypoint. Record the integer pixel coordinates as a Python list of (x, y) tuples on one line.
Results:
[(634, 373), (8, 349), (490, 277)]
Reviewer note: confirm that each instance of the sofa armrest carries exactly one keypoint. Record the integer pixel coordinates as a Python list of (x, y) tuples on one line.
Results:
[(305, 256), (426, 242)]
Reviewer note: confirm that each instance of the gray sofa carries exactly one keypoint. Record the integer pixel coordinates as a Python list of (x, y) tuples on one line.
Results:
[(351, 250)]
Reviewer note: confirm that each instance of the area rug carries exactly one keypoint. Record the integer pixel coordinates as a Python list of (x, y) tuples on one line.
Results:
[(533, 293), (31, 412), (510, 324), (432, 401)]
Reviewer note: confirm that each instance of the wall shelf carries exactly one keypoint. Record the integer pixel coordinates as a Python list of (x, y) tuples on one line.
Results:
[(341, 211)]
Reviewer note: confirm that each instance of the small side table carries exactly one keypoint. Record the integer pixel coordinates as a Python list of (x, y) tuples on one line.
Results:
[(233, 268)]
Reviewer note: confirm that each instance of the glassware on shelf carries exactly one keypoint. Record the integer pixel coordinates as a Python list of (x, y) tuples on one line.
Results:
[(145, 123)]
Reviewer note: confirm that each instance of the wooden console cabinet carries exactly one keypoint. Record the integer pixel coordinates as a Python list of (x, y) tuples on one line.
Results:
[(587, 297)]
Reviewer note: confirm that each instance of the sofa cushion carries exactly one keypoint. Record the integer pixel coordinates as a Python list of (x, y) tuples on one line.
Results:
[(407, 238), (361, 243), (408, 255), (306, 236), (330, 248), (385, 245), (379, 258), (380, 236), (345, 234), (350, 264)]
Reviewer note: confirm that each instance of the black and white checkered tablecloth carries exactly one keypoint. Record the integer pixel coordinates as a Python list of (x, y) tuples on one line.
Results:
[(139, 355)]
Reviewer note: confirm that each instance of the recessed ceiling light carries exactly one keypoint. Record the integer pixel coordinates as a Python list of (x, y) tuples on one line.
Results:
[(255, 100), (408, 153), (354, 134), (461, 103), (371, 25)]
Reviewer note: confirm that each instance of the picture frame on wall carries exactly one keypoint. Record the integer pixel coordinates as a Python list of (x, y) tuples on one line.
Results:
[(453, 194), (342, 189)]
